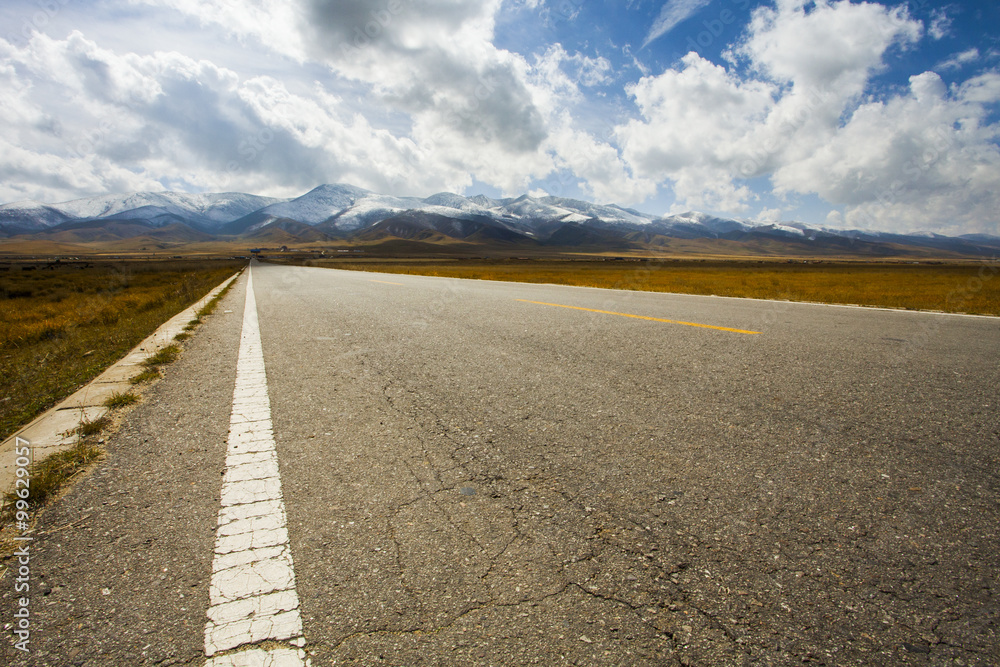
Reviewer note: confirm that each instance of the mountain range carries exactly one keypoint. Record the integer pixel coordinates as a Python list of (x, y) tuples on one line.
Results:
[(348, 214)]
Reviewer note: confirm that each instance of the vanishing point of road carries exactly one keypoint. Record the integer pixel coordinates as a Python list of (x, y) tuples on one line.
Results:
[(372, 469)]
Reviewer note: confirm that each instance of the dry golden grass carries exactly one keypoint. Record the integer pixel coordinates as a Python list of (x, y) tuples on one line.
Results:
[(121, 399), (146, 376), (166, 355), (61, 325), (88, 428), (972, 287), (50, 474)]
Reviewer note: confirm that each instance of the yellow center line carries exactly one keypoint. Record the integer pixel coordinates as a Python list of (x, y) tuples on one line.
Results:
[(642, 317), (384, 282)]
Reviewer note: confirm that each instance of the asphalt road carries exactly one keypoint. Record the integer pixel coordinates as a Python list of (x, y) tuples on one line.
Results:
[(484, 473)]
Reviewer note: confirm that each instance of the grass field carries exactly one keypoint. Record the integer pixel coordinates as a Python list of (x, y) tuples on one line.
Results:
[(972, 287), (62, 324)]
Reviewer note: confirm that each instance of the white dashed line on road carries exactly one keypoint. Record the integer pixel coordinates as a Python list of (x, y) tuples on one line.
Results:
[(252, 594)]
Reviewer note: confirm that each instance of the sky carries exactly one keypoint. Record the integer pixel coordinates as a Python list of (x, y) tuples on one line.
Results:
[(844, 114)]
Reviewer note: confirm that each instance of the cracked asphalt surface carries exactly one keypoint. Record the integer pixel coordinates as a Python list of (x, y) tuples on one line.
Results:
[(474, 480)]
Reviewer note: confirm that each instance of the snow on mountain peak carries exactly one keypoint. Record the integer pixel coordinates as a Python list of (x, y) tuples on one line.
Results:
[(348, 208), (23, 205), (205, 208), (457, 202), (318, 204)]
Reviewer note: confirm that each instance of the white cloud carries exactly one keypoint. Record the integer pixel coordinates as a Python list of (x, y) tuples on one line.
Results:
[(432, 59), (273, 23), (603, 174), (672, 13), (960, 60), (474, 110), (457, 107), (472, 107), (835, 219), (940, 24), (695, 125), (590, 71), (638, 64), (833, 46), (560, 75), (91, 121), (926, 158), (769, 215), (26, 174), (416, 97)]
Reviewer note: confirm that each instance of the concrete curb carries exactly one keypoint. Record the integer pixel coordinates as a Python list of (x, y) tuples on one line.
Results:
[(55, 430)]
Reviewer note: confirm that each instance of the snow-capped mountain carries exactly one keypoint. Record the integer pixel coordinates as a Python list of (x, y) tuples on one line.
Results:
[(316, 205), (342, 211), (31, 216), (156, 208)]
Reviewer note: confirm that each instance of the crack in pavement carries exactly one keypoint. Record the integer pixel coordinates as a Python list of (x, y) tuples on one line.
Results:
[(430, 492)]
